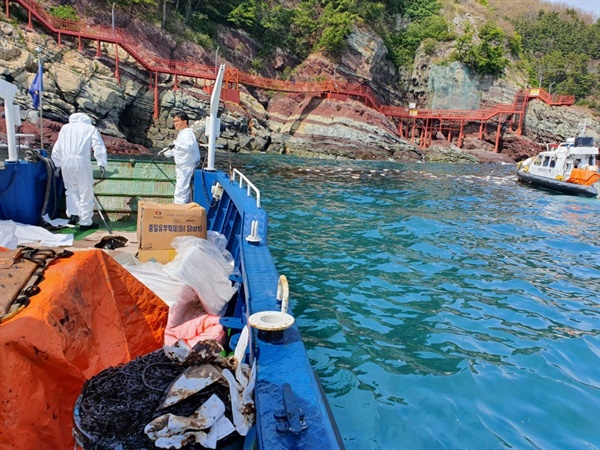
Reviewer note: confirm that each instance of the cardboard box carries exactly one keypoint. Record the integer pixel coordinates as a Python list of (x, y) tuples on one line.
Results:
[(161, 256), (158, 224)]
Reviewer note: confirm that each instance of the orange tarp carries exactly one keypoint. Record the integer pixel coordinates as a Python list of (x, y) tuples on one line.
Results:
[(91, 314), (584, 177)]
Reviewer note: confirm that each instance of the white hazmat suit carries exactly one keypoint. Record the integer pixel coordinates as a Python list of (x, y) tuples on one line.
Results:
[(187, 157), (72, 154)]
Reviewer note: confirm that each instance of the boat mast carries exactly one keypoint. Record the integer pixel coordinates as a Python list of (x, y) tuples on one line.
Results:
[(8, 92), (213, 124)]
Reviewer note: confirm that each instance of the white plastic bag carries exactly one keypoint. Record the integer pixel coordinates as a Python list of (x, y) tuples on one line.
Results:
[(27, 234), (206, 267), (154, 276), (8, 236), (220, 241)]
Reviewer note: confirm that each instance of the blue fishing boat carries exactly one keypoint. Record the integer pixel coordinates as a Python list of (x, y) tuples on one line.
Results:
[(290, 407)]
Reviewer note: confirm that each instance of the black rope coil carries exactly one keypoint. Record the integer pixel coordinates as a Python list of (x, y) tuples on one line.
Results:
[(115, 406)]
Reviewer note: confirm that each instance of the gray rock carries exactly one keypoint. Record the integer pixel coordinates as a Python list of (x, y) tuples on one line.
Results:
[(268, 121)]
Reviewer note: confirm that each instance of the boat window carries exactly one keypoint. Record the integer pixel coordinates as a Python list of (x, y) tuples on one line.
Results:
[(537, 161), (553, 162), (546, 161)]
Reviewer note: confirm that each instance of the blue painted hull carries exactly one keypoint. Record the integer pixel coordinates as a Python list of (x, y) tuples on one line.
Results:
[(27, 191), (278, 363)]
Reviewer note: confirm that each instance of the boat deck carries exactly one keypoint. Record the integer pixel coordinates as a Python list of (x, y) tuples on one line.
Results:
[(86, 240)]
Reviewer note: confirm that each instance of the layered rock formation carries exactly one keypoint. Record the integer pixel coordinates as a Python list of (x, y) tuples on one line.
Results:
[(268, 121)]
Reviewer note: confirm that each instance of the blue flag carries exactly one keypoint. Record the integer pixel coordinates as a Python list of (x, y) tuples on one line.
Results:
[(37, 87)]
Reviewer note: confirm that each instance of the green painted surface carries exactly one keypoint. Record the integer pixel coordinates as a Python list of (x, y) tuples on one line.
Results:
[(128, 182)]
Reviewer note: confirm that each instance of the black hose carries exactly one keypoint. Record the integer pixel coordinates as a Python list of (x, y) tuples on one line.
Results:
[(50, 175), (35, 156), (162, 171), (53, 188), (199, 166)]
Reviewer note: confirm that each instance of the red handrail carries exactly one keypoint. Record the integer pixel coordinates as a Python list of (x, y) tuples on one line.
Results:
[(154, 63)]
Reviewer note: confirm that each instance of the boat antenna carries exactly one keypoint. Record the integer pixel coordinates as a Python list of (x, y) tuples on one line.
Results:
[(213, 124), (581, 127)]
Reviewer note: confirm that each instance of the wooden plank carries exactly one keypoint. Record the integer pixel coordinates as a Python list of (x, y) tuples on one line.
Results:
[(9, 257), (12, 281)]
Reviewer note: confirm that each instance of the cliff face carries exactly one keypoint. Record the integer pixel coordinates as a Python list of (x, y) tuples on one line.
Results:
[(313, 127), (268, 121)]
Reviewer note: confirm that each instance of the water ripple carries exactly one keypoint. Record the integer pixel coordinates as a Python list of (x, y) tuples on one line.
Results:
[(442, 306)]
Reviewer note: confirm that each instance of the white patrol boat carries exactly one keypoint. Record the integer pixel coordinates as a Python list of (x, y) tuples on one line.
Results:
[(570, 167)]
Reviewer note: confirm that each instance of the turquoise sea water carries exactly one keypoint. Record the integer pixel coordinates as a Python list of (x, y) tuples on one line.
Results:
[(442, 306)]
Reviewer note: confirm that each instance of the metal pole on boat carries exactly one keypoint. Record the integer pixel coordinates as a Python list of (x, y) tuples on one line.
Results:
[(213, 124), (8, 92), (100, 210), (41, 94)]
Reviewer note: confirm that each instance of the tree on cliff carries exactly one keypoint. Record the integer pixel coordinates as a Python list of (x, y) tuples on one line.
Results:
[(486, 57), (561, 48), (557, 46)]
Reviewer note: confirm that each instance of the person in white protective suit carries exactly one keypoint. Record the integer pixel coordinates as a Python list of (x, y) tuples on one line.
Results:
[(187, 156), (72, 155)]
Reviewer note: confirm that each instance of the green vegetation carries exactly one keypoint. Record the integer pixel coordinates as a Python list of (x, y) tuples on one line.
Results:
[(337, 20), (134, 2), (315, 25), (421, 9), (556, 48), (488, 56), (560, 49), (404, 44), (65, 12)]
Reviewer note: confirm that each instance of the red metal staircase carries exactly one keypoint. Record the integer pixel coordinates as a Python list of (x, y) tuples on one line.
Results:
[(413, 124)]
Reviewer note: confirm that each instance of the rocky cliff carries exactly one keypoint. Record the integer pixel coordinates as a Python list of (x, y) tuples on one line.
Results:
[(269, 121)]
